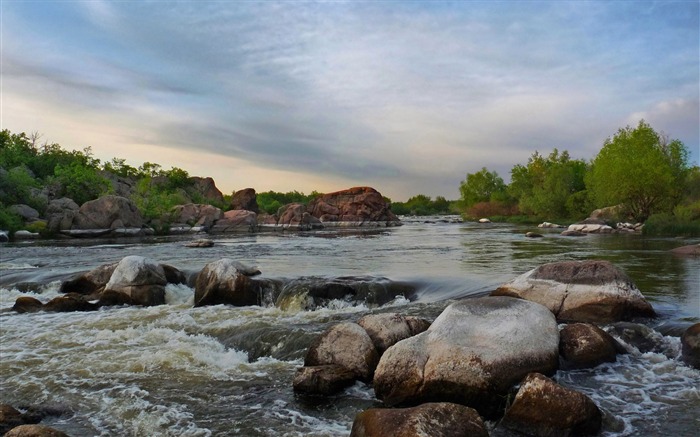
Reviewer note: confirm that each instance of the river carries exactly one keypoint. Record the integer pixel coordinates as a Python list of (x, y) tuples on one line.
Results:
[(175, 370)]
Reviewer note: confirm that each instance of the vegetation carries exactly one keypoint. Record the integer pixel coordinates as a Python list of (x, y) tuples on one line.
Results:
[(271, 201), (423, 205)]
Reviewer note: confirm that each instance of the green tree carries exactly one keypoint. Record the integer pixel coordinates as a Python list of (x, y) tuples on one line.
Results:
[(482, 186), (641, 170), (81, 183)]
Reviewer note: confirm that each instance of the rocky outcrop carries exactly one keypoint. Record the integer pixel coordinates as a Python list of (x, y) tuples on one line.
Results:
[(440, 419), (108, 212), (139, 279), (295, 216), (226, 282), (387, 329), (580, 291), (543, 408), (583, 345), (35, 431), (359, 206), (60, 214), (347, 345), (198, 215), (690, 346), (236, 221), (548, 225), (205, 187), (472, 354), (245, 199), (323, 380)]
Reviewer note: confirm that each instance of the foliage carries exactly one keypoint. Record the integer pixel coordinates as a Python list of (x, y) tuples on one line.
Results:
[(119, 167), (16, 185), (492, 208), (155, 201), (422, 205), (9, 221), (482, 186), (81, 183), (271, 201), (640, 169), (667, 224)]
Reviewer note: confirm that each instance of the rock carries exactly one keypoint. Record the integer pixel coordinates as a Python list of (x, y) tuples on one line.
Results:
[(173, 275), (60, 214), (323, 380), (69, 303), (140, 279), (690, 346), (294, 216), (26, 304), (26, 212), (348, 345), (583, 345), (568, 233), (440, 419), (358, 206), (472, 354), (639, 336), (108, 212), (533, 235), (610, 213), (196, 215), (11, 418), (89, 283), (26, 235), (206, 188), (200, 243), (4, 237), (387, 329), (591, 228), (549, 225), (580, 291), (545, 409), (691, 250), (34, 431), (236, 221), (484, 220), (245, 199), (226, 282)]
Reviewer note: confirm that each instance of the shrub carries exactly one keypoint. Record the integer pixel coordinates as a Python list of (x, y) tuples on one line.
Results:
[(665, 224)]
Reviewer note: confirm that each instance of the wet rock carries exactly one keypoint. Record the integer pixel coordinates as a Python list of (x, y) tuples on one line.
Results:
[(35, 431), (245, 199), (89, 283), (11, 418), (236, 221), (323, 380), (108, 212), (472, 354), (348, 345), (691, 250), (543, 408), (440, 419), (690, 346), (196, 215), (387, 329), (533, 235), (581, 291), (200, 243), (69, 303), (141, 279), (591, 226), (548, 225), (4, 237), (173, 275), (226, 282), (26, 304), (583, 345), (642, 337), (569, 233), (358, 206)]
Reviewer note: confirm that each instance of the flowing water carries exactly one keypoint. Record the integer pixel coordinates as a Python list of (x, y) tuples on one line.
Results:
[(175, 370)]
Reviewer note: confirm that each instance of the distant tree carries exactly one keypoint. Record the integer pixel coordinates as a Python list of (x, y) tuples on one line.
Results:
[(482, 186), (640, 169), (119, 167)]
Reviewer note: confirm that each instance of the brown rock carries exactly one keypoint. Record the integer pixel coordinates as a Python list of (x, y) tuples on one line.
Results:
[(387, 329), (10, 418), (348, 345), (196, 214), (108, 212), (226, 282), (236, 221), (440, 419), (34, 431), (245, 199), (691, 250), (90, 282), (60, 214), (584, 345), (68, 303), (543, 408), (206, 188), (26, 304), (356, 206), (295, 216), (323, 380), (690, 346), (580, 291)]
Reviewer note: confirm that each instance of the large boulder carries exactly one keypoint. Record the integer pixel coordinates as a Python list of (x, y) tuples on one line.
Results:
[(108, 212), (584, 345), (205, 187), (348, 345), (387, 329), (543, 408), (226, 282), (690, 346), (440, 419), (60, 214), (236, 221), (580, 291), (139, 279), (26, 212), (89, 283), (358, 206), (27, 304), (472, 354), (294, 216), (196, 214), (245, 199)]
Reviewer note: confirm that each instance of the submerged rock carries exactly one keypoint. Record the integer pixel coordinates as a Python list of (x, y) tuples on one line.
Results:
[(323, 380), (11, 418), (690, 346), (543, 408), (26, 304), (69, 303), (440, 419), (584, 345), (472, 354), (690, 250), (581, 291)]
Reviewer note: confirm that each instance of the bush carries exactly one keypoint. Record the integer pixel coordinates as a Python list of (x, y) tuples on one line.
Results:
[(9, 221), (491, 209), (665, 224)]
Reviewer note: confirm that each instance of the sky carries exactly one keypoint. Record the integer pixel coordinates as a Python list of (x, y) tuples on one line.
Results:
[(404, 96)]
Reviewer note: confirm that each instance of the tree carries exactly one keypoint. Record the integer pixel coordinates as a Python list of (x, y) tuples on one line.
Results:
[(482, 186), (641, 170)]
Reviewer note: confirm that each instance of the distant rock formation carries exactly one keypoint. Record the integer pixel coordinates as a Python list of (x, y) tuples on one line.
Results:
[(245, 199), (358, 206)]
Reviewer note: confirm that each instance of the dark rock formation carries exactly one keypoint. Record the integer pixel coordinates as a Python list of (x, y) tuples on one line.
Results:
[(89, 283), (584, 345), (690, 346), (245, 199), (26, 304), (60, 214), (69, 303), (35, 431), (433, 419), (359, 206), (226, 282), (206, 188), (580, 291)]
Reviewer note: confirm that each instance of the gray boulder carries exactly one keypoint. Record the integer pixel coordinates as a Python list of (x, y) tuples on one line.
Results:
[(60, 214), (584, 345), (580, 291), (226, 282), (348, 345), (108, 212), (25, 211), (139, 279), (196, 214), (387, 329), (472, 354), (236, 221)]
